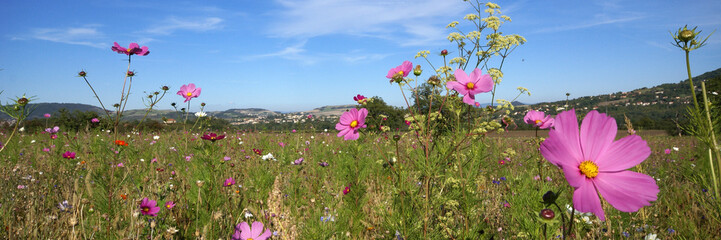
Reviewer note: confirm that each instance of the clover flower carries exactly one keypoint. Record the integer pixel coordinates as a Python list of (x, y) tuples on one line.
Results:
[(593, 162)]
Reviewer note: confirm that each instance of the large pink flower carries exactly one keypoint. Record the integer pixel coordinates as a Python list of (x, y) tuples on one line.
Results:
[(149, 207), (469, 86), (592, 161), (255, 232), (133, 49), (538, 119), (403, 70), (350, 122), (189, 91)]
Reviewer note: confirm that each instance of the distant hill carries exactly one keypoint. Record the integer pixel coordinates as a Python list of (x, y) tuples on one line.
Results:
[(52, 108)]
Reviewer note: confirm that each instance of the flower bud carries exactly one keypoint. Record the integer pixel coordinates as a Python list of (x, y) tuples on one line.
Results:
[(396, 137), (117, 105), (202, 104), (150, 96), (686, 35), (547, 214), (156, 93), (550, 197), (130, 73), (165, 88), (82, 74), (417, 71), (433, 80), (23, 101)]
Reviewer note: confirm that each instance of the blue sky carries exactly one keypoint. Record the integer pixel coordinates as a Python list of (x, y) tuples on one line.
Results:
[(287, 55)]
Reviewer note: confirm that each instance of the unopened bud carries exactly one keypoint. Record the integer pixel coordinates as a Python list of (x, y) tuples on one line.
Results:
[(172, 104), (82, 74), (417, 71), (685, 35), (202, 104), (117, 105), (550, 197), (130, 73), (165, 88), (444, 52), (156, 93), (547, 214), (396, 137), (150, 96), (433, 80), (23, 101)]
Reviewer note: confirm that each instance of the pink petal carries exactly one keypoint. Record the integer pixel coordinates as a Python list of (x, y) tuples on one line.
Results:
[(623, 154), (406, 67), (352, 135), (484, 84), (455, 85), (585, 199), (547, 123), (244, 230), (562, 147), (191, 86), (256, 229), (347, 117), (469, 99), (627, 191), (343, 132), (573, 175), (597, 134), (265, 235), (461, 77), (133, 46), (196, 93), (362, 113)]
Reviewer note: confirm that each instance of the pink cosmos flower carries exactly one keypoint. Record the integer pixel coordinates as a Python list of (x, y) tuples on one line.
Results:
[(189, 91), (400, 71), (346, 190), (350, 122), (169, 205), (47, 115), (212, 137), (592, 161), (360, 99), (469, 86), (52, 130), (95, 120), (229, 182), (68, 154), (537, 118), (667, 151), (133, 49), (149, 207), (245, 232)]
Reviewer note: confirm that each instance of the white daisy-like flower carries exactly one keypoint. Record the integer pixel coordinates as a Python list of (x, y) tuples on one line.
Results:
[(200, 114)]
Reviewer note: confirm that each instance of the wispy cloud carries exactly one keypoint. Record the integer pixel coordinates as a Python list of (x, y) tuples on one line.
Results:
[(397, 20), (298, 53), (86, 36), (172, 24), (598, 21)]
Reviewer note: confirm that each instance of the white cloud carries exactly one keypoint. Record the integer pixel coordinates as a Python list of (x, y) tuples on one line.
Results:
[(86, 36), (597, 21), (420, 21), (173, 24)]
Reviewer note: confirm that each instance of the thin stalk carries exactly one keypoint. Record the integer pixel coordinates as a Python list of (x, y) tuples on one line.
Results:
[(714, 144), (17, 123), (690, 80), (96, 96), (713, 173)]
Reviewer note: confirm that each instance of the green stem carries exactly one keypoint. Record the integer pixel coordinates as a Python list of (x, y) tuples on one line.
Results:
[(17, 123), (713, 144), (690, 81)]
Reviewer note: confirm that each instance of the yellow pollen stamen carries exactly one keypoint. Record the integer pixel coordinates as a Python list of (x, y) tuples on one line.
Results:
[(189, 94), (400, 72), (167, 206), (146, 209), (354, 123), (129, 49), (538, 122), (470, 85), (588, 168)]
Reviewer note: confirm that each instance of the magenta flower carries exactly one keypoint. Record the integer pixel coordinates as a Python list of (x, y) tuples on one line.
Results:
[(212, 137), (229, 182), (360, 99), (47, 115), (52, 130), (592, 161), (346, 190), (189, 91), (350, 122), (133, 49), (245, 232), (68, 155), (169, 205), (400, 71), (95, 120), (149, 207), (667, 151), (537, 118), (469, 86)]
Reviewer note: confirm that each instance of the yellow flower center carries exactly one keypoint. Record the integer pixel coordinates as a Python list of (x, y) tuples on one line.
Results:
[(469, 85), (189, 94), (400, 72), (212, 138), (129, 49), (354, 123), (167, 206), (538, 122), (146, 209), (589, 169)]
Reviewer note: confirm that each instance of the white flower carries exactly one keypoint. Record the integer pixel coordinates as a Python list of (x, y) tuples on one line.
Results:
[(248, 215), (200, 114), (269, 156), (22, 129), (325, 130), (142, 160), (650, 236), (675, 149), (240, 143), (156, 137), (714, 93), (32, 141)]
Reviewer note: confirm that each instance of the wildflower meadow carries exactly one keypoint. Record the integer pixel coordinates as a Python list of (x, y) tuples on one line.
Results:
[(452, 171)]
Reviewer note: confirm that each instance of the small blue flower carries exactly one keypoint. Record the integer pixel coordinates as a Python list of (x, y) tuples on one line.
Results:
[(626, 234), (671, 231), (503, 178)]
